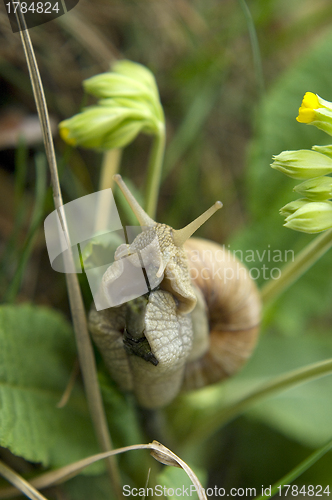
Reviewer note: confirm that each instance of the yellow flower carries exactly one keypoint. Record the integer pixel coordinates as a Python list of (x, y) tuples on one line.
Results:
[(307, 110), (316, 111)]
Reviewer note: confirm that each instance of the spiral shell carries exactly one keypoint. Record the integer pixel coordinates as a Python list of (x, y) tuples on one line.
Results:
[(233, 309)]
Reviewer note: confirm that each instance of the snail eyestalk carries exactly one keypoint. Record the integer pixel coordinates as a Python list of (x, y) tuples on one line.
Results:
[(180, 236), (141, 215)]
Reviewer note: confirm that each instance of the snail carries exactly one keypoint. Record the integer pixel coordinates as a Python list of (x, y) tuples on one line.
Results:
[(197, 325)]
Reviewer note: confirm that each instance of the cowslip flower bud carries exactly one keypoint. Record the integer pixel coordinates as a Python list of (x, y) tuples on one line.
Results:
[(325, 150), (317, 189), (313, 217), (291, 207), (316, 111), (104, 127), (129, 105), (302, 164)]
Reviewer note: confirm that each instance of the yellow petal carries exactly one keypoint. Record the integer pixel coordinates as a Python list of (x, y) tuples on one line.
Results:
[(307, 110), (306, 115), (310, 100), (64, 133)]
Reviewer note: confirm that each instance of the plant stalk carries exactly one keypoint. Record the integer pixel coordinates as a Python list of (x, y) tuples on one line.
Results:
[(297, 471), (154, 173), (157, 450), (208, 424), (20, 483), (110, 166), (84, 346), (294, 270)]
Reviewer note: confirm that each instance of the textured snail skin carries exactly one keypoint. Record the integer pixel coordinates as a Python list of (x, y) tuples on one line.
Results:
[(194, 349), (170, 337), (233, 309)]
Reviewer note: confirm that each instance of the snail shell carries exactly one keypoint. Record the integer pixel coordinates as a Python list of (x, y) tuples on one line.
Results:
[(198, 326), (233, 308)]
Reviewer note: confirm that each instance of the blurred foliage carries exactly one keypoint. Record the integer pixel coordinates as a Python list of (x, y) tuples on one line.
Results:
[(221, 135)]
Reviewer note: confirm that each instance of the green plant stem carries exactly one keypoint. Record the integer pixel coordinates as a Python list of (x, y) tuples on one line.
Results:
[(294, 270), (110, 167), (20, 483), (84, 346), (298, 470), (154, 173), (208, 424)]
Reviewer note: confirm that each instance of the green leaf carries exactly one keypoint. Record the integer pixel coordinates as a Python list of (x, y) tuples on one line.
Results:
[(305, 412), (302, 413), (37, 353)]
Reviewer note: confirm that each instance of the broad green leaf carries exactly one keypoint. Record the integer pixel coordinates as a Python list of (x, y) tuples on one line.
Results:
[(37, 353), (123, 418), (302, 413)]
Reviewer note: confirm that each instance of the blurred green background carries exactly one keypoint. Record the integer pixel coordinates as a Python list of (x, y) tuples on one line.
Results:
[(230, 104)]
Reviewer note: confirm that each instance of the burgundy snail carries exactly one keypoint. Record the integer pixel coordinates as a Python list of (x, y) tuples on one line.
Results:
[(197, 327)]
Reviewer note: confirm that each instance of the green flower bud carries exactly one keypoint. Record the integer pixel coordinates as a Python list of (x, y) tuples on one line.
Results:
[(291, 207), (129, 105), (325, 150), (302, 164), (96, 126), (317, 189), (311, 218), (113, 85)]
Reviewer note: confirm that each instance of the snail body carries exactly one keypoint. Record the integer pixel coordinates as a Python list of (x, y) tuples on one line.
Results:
[(195, 327)]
